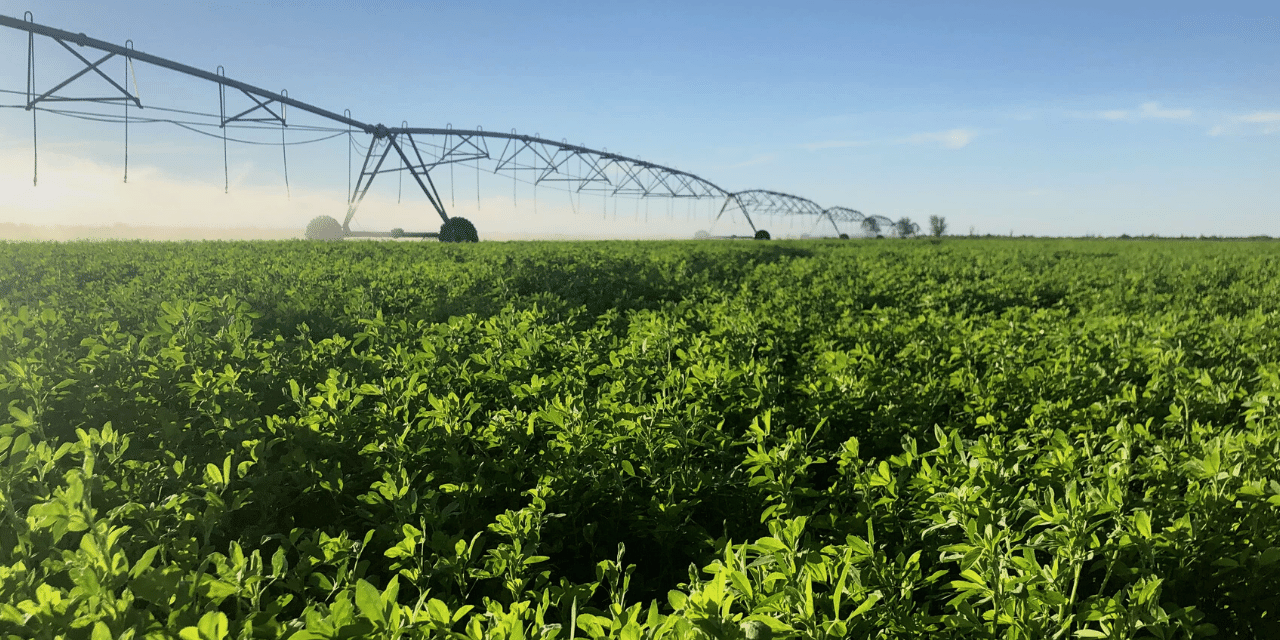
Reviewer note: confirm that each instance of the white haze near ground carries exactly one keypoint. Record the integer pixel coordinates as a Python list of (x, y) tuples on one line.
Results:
[(81, 191), (75, 192)]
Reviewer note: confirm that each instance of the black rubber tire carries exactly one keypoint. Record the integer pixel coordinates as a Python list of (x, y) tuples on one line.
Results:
[(844, 236), (763, 235), (458, 230), (324, 228)]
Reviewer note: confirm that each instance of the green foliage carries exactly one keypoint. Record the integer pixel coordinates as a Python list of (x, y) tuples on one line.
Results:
[(937, 226), (639, 440)]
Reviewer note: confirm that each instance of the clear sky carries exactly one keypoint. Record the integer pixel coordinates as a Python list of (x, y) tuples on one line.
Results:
[(1035, 118)]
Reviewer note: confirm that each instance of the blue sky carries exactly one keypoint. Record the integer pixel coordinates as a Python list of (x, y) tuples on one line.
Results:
[(1025, 117)]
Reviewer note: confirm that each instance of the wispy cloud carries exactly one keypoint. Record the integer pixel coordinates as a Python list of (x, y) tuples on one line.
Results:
[(1256, 123), (1145, 111), (760, 158), (1265, 122), (1154, 110), (833, 144), (1269, 117), (950, 139)]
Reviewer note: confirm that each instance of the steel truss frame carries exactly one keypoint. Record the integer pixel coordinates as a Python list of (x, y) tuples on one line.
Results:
[(877, 225), (769, 203), (419, 150), (544, 161), (843, 214), (896, 229), (870, 225)]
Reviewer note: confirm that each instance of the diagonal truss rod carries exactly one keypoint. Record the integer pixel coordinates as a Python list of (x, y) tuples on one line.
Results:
[(418, 170)]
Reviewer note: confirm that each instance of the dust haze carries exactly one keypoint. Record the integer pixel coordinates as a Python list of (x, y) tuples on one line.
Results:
[(81, 199)]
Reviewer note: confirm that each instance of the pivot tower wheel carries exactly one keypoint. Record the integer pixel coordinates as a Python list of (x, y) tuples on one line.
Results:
[(324, 228), (458, 230), (763, 235)]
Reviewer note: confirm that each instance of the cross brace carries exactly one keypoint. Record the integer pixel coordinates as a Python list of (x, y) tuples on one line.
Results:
[(420, 172), (48, 96)]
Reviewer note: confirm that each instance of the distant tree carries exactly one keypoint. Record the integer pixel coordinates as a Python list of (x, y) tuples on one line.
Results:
[(871, 226), (905, 227), (937, 226)]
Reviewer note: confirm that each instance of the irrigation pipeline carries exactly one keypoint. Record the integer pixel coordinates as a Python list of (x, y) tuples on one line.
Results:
[(575, 168)]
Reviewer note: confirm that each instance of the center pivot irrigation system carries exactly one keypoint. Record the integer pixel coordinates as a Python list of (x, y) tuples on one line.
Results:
[(414, 150)]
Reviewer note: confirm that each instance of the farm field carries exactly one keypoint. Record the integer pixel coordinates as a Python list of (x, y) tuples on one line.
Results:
[(803, 439)]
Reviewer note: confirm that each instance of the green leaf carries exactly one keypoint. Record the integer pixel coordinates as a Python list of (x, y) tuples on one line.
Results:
[(774, 624), (279, 563), (865, 606), (217, 590), (1052, 598), (772, 545), (144, 562), (23, 418), (677, 600), (17, 444), (1148, 589), (213, 476), (740, 582), (159, 586), (100, 631), (358, 630), (213, 625), (1212, 462), (439, 611), (1143, 522), (369, 601), (1270, 556), (461, 611)]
